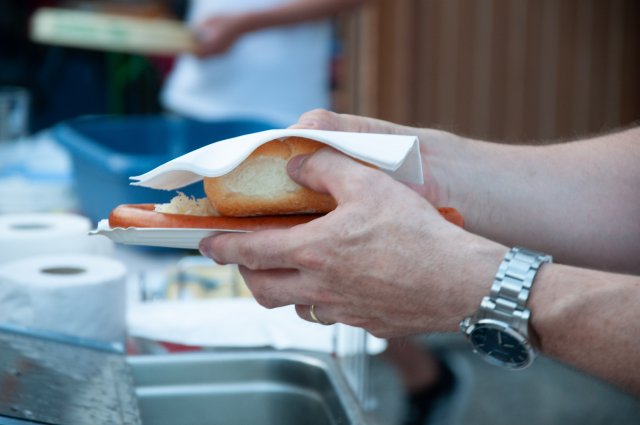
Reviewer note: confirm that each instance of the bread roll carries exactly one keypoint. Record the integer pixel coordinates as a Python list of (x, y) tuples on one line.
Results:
[(260, 185)]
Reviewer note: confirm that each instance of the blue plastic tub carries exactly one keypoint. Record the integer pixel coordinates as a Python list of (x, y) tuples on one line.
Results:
[(107, 150)]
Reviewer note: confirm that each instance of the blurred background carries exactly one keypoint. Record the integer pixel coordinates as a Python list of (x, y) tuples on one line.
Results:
[(64, 82), (512, 70), (88, 100)]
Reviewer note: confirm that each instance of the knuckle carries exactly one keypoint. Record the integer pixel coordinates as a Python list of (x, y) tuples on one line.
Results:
[(248, 257), (259, 287), (367, 177), (309, 258), (319, 114), (313, 165), (358, 181), (369, 183)]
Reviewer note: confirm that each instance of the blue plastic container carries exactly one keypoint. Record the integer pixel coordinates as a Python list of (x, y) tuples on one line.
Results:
[(107, 150)]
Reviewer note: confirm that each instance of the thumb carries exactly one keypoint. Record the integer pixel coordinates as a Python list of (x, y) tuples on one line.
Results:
[(331, 172)]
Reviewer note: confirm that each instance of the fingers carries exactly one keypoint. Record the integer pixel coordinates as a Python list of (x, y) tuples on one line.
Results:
[(276, 288), (313, 313), (205, 38), (266, 249), (217, 35), (321, 119)]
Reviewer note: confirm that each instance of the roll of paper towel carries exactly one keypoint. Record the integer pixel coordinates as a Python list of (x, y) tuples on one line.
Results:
[(26, 235), (80, 295)]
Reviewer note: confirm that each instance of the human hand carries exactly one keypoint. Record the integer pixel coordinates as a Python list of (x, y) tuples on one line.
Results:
[(321, 119), (434, 173), (383, 260), (216, 35)]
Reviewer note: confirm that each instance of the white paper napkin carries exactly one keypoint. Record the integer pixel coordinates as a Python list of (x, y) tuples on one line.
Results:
[(397, 155)]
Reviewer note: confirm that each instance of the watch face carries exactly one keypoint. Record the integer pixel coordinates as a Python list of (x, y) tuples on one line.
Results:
[(498, 344)]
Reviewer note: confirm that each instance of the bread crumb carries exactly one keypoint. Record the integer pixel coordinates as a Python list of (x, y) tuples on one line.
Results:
[(187, 205)]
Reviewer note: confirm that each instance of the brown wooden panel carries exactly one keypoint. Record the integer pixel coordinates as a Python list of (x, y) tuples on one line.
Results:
[(567, 41), (465, 68), (630, 108), (600, 42), (426, 53), (498, 59), (516, 70), (613, 84), (506, 70)]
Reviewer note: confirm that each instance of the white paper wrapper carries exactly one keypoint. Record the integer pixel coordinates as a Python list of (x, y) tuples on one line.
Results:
[(397, 155), (236, 322)]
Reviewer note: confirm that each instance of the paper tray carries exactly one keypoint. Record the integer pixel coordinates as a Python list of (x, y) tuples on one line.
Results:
[(163, 237)]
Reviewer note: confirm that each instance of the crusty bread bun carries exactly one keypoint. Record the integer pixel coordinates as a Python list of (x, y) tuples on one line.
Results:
[(261, 185)]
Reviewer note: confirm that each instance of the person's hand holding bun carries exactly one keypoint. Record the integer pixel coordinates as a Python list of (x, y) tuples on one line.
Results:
[(258, 194)]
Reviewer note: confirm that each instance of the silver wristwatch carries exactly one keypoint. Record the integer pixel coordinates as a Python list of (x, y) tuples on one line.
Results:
[(499, 331)]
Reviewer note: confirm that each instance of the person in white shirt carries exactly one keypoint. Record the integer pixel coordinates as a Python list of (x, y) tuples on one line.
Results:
[(261, 59)]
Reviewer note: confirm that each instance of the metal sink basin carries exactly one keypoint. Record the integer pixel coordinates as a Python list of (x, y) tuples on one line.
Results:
[(243, 388)]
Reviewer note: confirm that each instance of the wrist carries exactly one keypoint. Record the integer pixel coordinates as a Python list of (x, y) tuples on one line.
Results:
[(482, 258), (549, 305), (457, 169), (488, 257)]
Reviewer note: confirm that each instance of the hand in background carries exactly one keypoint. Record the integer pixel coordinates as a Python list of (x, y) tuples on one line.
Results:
[(434, 172), (218, 34)]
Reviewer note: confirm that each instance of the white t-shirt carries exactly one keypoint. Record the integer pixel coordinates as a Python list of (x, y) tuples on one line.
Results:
[(274, 74)]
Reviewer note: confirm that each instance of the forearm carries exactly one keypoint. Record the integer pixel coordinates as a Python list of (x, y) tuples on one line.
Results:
[(579, 201), (589, 319), (294, 12)]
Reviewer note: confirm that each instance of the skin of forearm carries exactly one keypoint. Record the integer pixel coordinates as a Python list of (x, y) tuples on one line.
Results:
[(295, 12), (579, 201), (588, 319)]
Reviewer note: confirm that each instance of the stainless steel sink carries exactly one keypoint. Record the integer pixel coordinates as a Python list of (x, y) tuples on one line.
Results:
[(243, 388), (56, 379)]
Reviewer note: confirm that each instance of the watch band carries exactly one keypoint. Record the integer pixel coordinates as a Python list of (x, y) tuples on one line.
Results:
[(512, 285), (499, 330)]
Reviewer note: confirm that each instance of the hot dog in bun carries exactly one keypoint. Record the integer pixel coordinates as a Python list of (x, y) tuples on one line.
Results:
[(256, 195)]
